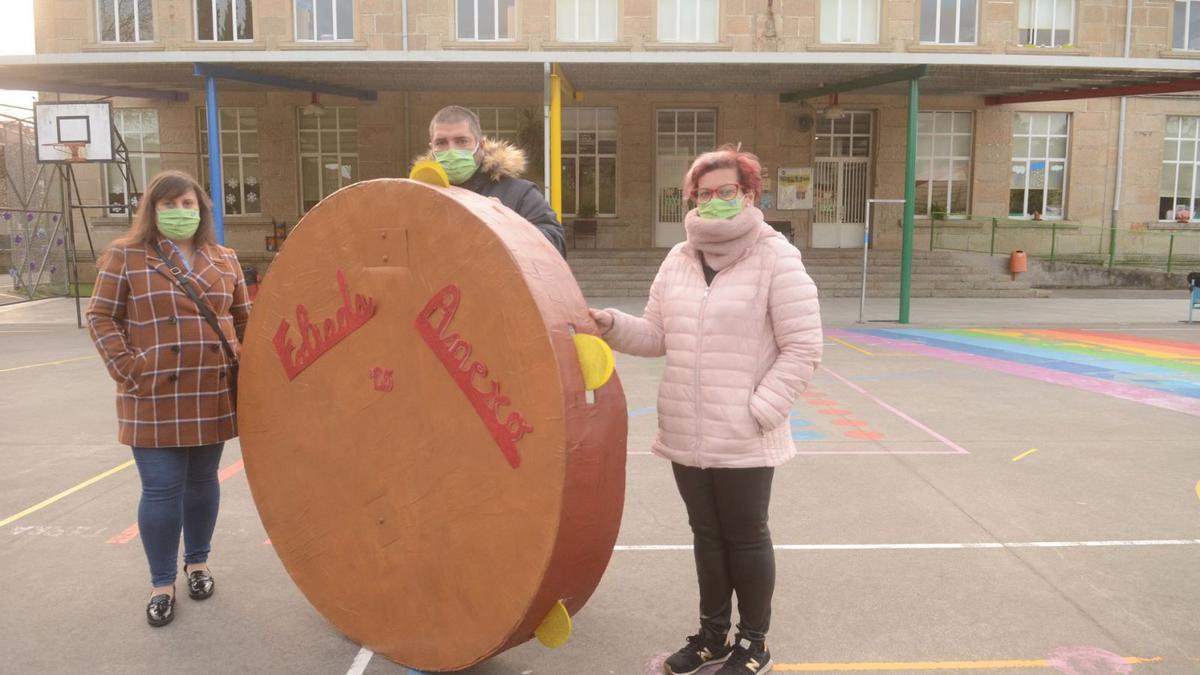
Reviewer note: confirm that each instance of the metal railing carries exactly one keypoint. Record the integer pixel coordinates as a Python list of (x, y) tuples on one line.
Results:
[(1161, 247)]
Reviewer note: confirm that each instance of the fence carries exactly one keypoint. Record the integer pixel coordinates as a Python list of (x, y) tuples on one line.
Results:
[(33, 234), (1167, 249)]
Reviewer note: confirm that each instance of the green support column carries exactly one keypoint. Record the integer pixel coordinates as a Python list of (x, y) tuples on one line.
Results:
[(910, 199)]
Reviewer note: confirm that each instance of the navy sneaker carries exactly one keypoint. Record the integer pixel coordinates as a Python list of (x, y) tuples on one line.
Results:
[(747, 658), (699, 651)]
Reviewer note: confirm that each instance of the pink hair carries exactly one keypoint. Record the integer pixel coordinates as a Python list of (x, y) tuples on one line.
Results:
[(749, 170)]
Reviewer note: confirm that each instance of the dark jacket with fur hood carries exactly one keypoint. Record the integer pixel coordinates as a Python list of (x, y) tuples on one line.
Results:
[(499, 176)]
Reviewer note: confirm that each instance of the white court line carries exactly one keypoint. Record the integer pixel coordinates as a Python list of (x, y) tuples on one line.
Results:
[(360, 661), (940, 547)]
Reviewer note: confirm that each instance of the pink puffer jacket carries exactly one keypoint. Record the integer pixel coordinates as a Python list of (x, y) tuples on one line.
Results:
[(738, 353)]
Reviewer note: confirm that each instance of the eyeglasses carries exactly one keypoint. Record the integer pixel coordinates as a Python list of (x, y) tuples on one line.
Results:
[(725, 192), (457, 143)]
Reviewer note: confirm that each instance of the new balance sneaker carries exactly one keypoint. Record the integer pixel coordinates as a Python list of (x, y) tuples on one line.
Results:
[(700, 651), (747, 658)]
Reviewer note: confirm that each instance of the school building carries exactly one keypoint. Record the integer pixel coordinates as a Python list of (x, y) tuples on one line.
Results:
[(1070, 111)]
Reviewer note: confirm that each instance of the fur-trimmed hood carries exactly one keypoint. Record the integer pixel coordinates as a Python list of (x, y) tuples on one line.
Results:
[(501, 159)]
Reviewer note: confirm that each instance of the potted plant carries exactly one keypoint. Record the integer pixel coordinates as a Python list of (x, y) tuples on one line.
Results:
[(938, 212), (1183, 214)]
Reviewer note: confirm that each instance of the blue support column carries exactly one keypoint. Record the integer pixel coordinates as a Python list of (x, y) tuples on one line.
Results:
[(215, 180)]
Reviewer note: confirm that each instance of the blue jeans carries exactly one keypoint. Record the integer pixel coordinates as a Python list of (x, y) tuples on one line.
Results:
[(180, 490)]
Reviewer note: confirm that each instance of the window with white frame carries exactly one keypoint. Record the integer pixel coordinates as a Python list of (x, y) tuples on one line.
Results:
[(688, 20), (125, 20), (686, 133), (1186, 32), (328, 153), (845, 136), (324, 20), (487, 19), (1038, 185), (948, 22), (1046, 23), (850, 21), (138, 129), (944, 163), (239, 159), (589, 161), (1181, 168), (498, 123), (224, 20), (587, 20)]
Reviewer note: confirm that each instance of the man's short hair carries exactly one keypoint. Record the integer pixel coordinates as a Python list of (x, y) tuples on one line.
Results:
[(452, 114)]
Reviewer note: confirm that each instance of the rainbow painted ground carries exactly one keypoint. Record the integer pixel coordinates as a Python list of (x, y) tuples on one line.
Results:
[(1155, 372)]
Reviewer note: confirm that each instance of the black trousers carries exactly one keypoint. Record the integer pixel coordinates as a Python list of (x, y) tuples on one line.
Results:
[(727, 509)]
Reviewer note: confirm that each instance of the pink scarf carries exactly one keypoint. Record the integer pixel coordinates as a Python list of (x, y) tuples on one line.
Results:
[(724, 241)]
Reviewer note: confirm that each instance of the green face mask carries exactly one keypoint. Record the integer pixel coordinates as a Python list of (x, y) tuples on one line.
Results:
[(178, 224), (720, 209), (459, 164)]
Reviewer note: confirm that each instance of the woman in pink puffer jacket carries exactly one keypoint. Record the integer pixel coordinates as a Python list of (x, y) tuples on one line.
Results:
[(737, 317)]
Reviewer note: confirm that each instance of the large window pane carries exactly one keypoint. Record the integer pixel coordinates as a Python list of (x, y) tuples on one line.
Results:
[(239, 143), (124, 20), (305, 20), (466, 19), (108, 21), (945, 138), (688, 20), (589, 162), (1046, 23), (138, 129), (853, 21), (224, 20), (1180, 181), (1040, 146), (929, 20), (328, 153), (345, 19), (324, 29)]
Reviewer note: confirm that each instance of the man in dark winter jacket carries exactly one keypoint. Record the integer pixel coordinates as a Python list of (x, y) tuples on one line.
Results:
[(491, 168)]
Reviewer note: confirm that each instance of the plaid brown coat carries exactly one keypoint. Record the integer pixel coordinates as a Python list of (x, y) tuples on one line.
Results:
[(168, 363)]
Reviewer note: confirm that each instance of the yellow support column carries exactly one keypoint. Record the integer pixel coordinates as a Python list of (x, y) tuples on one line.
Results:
[(556, 142)]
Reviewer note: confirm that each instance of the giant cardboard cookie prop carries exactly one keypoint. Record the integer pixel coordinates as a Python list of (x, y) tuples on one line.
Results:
[(438, 471)]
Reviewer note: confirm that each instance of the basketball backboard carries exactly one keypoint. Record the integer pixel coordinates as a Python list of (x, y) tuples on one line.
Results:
[(73, 132)]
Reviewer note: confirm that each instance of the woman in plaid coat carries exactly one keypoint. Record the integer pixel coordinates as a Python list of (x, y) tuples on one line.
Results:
[(173, 376)]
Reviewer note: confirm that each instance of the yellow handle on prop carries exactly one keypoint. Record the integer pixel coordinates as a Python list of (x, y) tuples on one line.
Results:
[(555, 629), (595, 360), (429, 172)]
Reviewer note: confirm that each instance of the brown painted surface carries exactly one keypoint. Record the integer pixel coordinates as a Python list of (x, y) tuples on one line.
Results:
[(390, 497)]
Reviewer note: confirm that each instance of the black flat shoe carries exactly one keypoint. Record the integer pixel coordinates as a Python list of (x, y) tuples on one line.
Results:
[(161, 610), (200, 584)]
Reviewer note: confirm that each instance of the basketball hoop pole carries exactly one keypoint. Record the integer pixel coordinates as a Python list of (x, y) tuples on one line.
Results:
[(862, 301), (67, 175)]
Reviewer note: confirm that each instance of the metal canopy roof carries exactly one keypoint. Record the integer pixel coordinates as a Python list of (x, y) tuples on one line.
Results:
[(495, 71)]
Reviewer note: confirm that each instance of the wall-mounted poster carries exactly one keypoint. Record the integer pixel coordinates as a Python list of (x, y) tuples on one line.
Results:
[(795, 189)]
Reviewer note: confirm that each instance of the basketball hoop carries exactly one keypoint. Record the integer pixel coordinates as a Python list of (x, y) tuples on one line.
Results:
[(76, 151)]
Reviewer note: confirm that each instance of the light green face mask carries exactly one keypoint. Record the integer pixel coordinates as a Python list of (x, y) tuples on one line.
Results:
[(721, 209), (178, 224), (459, 164)]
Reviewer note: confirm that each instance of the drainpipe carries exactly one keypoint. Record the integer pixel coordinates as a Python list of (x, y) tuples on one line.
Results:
[(404, 24), (1116, 212)]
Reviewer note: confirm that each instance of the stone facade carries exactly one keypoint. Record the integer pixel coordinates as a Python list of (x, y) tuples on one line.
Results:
[(745, 25), (393, 129)]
